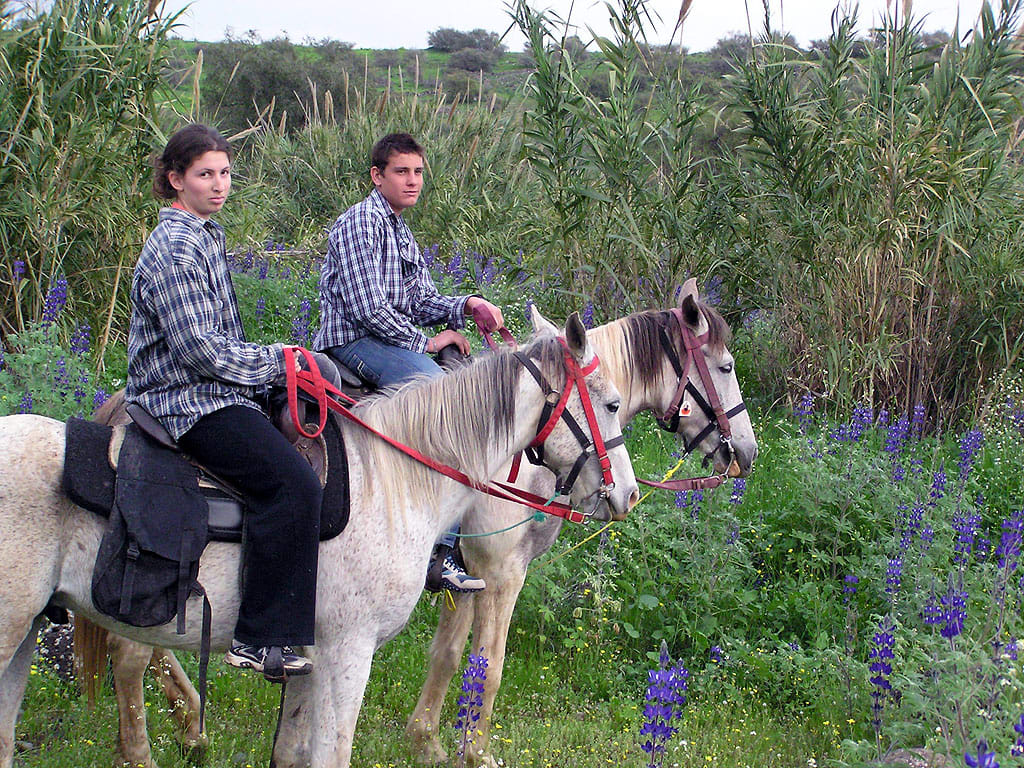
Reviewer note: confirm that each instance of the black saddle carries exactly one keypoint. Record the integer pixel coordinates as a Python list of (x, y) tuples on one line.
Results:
[(90, 473)]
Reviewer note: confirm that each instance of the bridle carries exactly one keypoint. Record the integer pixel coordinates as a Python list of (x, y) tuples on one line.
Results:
[(554, 410), (324, 393), (718, 417)]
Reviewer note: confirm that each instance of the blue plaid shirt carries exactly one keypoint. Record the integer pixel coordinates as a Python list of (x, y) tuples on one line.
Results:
[(187, 354), (374, 282)]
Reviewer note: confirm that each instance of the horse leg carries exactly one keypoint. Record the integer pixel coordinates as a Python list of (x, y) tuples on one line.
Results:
[(445, 656), (13, 679), (129, 660), (291, 745), (342, 671), (492, 616), (183, 699)]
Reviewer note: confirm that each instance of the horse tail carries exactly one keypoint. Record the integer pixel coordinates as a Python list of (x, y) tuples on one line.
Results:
[(90, 644)]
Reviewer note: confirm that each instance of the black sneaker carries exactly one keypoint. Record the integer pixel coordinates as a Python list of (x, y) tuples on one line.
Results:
[(277, 663)]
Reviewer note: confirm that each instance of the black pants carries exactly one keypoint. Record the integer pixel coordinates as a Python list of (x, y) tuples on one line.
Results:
[(240, 445)]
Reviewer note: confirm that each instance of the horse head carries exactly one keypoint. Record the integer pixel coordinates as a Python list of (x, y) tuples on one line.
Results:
[(706, 407), (583, 442)]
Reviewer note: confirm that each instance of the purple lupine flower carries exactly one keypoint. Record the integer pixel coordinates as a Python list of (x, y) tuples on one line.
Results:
[(966, 528), (970, 444), (981, 758), (896, 436), (588, 315), (18, 272), (79, 393), (1017, 750), (1, 357), (739, 485), (61, 379), (804, 411), (893, 576), (715, 654), (25, 406), (860, 421), (849, 587), (734, 535), (883, 418), (263, 270), (430, 255), (954, 604), (56, 298), (917, 421), (261, 309), (1010, 649), (80, 340), (1008, 550), (471, 700), (880, 668), (665, 696), (300, 324), (712, 292), (99, 399), (938, 485)]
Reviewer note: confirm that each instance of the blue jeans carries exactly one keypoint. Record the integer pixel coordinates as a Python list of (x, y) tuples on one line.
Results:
[(384, 365)]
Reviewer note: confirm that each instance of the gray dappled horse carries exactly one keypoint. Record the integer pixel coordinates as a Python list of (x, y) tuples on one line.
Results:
[(474, 419)]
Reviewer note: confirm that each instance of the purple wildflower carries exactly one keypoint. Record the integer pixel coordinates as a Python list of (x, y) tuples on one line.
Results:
[(849, 587), (99, 399), (18, 272), (970, 444), (804, 411), (300, 324), (938, 485), (954, 604), (666, 693), (880, 668), (739, 485), (25, 406), (471, 699), (917, 421), (80, 340), (1008, 550), (588, 315), (261, 309), (56, 298), (1017, 750), (893, 576), (715, 654), (981, 758)]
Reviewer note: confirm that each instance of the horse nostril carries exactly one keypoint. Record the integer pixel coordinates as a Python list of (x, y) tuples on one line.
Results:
[(634, 498)]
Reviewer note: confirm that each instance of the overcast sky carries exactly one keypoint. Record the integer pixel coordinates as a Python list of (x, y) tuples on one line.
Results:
[(406, 23)]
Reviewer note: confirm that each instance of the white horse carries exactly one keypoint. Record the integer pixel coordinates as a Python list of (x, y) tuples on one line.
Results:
[(634, 357), (474, 419)]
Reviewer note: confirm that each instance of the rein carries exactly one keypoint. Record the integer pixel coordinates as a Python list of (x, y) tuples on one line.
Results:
[(313, 383)]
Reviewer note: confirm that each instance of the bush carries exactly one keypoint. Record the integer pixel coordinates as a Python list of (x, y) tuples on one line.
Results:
[(448, 40), (472, 60)]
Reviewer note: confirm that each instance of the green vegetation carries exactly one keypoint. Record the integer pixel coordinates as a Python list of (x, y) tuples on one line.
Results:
[(854, 210)]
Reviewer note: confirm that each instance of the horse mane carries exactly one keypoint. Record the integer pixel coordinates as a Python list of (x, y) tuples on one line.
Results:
[(459, 419), (631, 350)]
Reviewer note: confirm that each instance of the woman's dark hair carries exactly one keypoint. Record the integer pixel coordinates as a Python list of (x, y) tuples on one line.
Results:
[(182, 148), (393, 144)]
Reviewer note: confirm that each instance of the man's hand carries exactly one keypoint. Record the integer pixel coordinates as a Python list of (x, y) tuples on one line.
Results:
[(444, 338), (487, 316)]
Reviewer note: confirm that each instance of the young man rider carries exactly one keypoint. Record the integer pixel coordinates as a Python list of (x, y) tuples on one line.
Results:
[(376, 293)]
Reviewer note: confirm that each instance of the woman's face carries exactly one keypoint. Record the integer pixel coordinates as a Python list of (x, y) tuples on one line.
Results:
[(205, 185)]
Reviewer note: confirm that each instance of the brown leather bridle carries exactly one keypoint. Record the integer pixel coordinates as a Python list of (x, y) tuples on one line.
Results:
[(712, 407)]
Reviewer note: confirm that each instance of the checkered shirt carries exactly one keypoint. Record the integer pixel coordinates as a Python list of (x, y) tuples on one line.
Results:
[(187, 354), (374, 282)]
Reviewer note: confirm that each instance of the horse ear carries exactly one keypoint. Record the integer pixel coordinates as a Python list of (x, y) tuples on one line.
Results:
[(576, 338), (688, 303), (541, 325)]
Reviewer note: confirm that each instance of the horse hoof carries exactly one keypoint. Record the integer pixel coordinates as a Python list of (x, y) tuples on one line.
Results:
[(430, 752)]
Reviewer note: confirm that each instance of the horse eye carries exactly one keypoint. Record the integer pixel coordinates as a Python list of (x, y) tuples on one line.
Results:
[(613, 407), (727, 368)]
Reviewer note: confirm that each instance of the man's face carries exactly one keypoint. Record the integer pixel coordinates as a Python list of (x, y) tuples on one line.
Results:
[(401, 181)]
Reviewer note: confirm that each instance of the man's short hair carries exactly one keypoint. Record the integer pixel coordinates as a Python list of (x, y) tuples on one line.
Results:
[(393, 144)]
